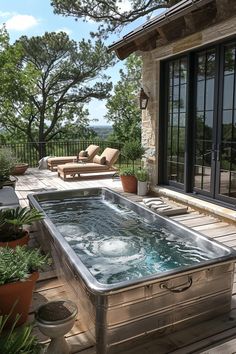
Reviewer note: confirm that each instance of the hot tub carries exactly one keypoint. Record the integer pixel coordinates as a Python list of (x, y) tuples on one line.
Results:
[(131, 271)]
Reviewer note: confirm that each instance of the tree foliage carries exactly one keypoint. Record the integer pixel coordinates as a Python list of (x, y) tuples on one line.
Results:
[(46, 80), (123, 110), (111, 15)]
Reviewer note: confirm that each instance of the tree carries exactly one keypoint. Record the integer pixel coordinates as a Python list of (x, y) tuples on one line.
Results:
[(122, 106), (46, 81), (112, 15)]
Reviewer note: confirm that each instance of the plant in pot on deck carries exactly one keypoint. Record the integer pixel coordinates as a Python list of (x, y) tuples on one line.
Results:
[(142, 176), (18, 274), (12, 221), (132, 150)]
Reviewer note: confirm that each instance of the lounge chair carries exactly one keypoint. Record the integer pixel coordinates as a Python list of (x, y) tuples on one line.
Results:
[(53, 162), (100, 164)]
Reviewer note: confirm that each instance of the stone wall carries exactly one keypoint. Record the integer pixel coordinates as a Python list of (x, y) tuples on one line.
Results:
[(150, 77)]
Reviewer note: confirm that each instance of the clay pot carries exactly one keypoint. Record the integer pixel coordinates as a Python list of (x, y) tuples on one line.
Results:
[(16, 298), (19, 242), (20, 168), (129, 184)]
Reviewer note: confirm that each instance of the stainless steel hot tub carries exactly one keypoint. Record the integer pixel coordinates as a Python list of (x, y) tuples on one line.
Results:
[(161, 303)]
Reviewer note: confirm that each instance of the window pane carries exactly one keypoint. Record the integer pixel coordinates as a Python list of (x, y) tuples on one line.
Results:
[(210, 84), (210, 65), (227, 125), (229, 60), (228, 92), (201, 66), (200, 95), (183, 97)]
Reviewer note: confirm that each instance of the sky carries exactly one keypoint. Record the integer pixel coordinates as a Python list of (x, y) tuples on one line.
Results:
[(35, 17)]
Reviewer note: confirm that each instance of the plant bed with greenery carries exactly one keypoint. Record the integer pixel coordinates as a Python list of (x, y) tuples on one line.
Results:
[(7, 163), (142, 176), (18, 274)]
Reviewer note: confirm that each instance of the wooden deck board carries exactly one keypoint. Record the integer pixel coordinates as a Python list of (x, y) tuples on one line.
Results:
[(209, 337)]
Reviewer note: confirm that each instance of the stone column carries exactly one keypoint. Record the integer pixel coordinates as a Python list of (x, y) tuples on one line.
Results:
[(150, 116)]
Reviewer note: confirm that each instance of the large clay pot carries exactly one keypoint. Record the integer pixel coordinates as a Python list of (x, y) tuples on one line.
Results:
[(20, 168), (16, 298), (19, 242), (129, 184)]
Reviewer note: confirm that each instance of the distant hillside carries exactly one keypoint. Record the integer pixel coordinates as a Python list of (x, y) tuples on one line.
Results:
[(102, 130)]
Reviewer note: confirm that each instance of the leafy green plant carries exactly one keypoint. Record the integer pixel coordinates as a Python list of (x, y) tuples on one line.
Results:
[(7, 163), (133, 150), (126, 171), (13, 220), (16, 264), (142, 174), (17, 340)]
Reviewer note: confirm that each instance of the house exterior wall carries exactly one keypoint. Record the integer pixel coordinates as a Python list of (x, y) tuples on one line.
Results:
[(151, 83), (150, 75)]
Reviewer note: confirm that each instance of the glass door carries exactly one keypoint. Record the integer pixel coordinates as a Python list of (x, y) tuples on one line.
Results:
[(177, 107), (226, 145), (204, 145)]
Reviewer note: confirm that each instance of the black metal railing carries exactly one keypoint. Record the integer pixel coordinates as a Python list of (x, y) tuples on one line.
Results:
[(27, 152)]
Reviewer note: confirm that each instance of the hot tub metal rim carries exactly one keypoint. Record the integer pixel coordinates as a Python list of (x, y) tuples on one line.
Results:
[(104, 289), (104, 190)]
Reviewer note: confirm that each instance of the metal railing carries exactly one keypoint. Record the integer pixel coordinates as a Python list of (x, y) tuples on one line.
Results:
[(26, 152)]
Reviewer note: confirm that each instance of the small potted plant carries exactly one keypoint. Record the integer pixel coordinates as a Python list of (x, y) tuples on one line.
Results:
[(12, 221), (132, 150), (128, 179), (18, 274), (142, 178)]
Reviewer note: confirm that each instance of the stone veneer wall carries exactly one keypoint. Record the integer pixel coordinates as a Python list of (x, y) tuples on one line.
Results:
[(150, 78)]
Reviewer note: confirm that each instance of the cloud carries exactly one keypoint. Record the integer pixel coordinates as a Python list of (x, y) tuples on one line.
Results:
[(21, 22), (6, 14), (64, 29)]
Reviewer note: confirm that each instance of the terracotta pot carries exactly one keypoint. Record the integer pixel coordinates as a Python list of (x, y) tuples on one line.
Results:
[(20, 168), (19, 242), (129, 184), (18, 295)]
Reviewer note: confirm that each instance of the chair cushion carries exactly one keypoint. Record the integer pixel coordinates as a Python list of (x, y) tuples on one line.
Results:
[(83, 153), (101, 160)]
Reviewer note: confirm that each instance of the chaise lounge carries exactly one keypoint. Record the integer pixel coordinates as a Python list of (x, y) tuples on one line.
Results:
[(100, 164), (91, 151)]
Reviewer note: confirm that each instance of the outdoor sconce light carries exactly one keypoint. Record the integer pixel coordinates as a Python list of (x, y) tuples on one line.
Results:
[(143, 99)]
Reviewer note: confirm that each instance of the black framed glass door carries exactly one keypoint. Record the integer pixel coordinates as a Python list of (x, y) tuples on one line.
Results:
[(201, 94), (204, 124), (226, 138)]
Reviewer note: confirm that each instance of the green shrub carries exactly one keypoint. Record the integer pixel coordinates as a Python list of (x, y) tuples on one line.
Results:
[(7, 163), (133, 150), (142, 174), (18, 263), (17, 340), (126, 171)]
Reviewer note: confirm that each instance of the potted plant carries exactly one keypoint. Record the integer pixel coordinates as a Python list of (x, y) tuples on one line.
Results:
[(18, 274), (132, 150), (12, 221), (17, 340), (142, 178), (19, 168), (7, 162), (128, 180)]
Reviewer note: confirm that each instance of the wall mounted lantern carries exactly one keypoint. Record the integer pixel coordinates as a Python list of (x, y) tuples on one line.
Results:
[(143, 99)]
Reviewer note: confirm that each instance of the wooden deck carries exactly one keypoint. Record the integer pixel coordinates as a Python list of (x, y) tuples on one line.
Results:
[(210, 337)]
